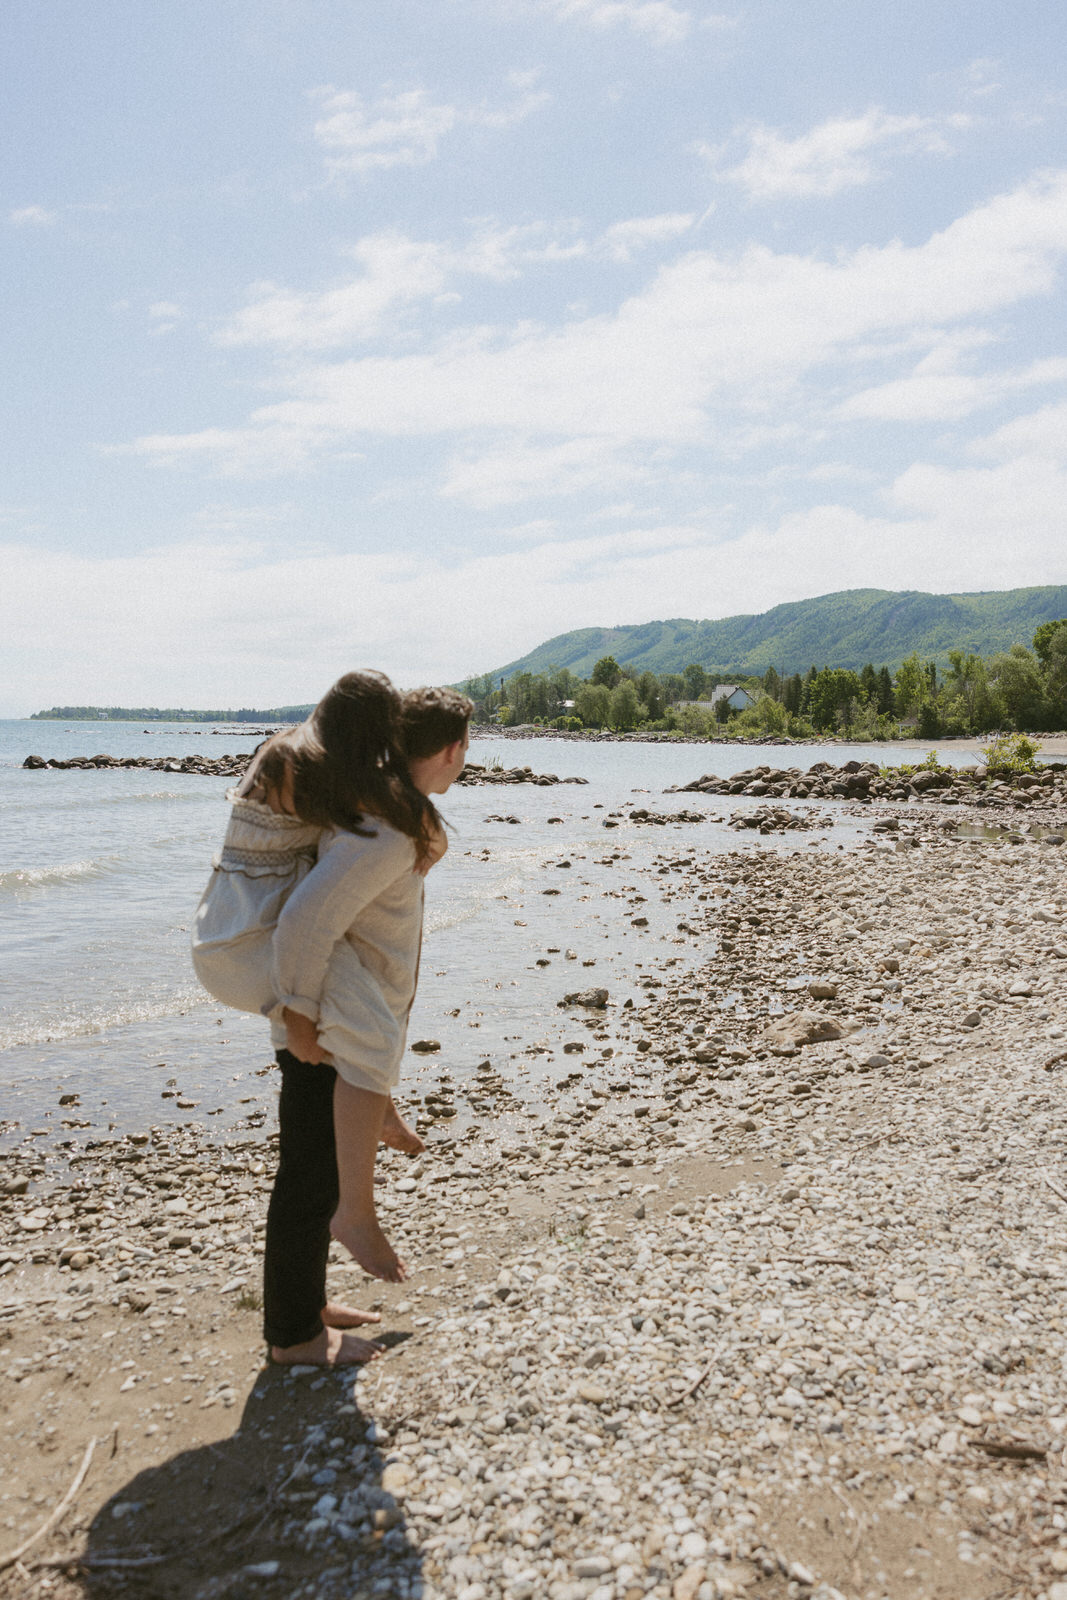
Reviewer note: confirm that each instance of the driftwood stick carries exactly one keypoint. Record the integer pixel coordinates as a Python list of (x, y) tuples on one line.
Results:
[(1008, 1450), (88, 1562), (1053, 1185), (692, 1389), (818, 1261), (50, 1522)]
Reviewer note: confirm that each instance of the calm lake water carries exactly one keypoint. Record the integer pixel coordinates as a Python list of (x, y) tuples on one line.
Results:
[(100, 873)]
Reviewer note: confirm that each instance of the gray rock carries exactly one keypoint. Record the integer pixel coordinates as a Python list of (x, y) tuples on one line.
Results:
[(595, 999)]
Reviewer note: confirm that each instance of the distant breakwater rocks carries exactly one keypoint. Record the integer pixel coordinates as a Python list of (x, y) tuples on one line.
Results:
[(227, 766), (473, 774), (863, 780), (224, 766)]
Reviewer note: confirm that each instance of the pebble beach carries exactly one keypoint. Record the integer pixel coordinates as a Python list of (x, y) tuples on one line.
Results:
[(764, 1295)]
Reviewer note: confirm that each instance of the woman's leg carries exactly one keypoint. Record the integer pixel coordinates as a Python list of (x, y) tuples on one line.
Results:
[(358, 1118), (302, 1202), (398, 1134)]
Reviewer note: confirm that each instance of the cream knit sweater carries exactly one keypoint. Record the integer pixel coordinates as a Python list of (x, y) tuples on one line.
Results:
[(346, 952)]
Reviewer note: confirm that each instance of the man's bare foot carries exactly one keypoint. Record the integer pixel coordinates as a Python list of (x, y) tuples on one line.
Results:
[(365, 1241), (338, 1316), (330, 1348), (399, 1135)]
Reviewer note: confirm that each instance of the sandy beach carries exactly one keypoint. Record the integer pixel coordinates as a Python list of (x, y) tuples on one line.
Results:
[(766, 1298)]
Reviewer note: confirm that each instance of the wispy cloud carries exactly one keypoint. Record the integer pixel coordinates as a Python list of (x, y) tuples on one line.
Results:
[(406, 129), (32, 217), (624, 239), (164, 316), (397, 274), (658, 21), (981, 77), (525, 469), (712, 351), (835, 155)]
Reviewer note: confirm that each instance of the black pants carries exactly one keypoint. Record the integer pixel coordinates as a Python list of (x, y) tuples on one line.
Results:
[(302, 1203)]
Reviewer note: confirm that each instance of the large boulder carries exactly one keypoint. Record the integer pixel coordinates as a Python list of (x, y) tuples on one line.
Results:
[(804, 1027)]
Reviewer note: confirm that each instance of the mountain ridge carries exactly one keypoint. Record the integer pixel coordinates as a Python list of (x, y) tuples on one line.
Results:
[(844, 629)]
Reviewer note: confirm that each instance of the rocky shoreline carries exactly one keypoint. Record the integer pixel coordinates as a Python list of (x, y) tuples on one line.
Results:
[(865, 781), (852, 781), (1052, 743), (764, 1297)]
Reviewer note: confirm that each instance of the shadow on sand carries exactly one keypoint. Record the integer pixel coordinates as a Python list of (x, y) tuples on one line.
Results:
[(292, 1503)]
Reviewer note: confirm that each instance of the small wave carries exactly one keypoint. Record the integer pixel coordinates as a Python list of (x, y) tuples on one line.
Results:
[(80, 804), (17, 880), (185, 795), (468, 904), (54, 1030)]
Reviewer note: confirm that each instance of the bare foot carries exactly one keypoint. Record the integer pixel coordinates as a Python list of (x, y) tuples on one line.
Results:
[(338, 1316), (365, 1241), (399, 1135), (330, 1348)]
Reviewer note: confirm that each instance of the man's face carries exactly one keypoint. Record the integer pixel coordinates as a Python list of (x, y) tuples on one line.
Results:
[(459, 757), (441, 771)]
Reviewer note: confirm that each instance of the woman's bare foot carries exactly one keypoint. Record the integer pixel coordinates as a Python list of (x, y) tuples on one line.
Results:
[(399, 1135), (338, 1316), (365, 1241), (330, 1348)]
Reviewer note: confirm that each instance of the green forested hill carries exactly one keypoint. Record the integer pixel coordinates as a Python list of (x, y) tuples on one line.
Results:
[(834, 630)]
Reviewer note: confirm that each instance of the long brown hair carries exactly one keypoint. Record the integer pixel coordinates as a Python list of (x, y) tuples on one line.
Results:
[(346, 763)]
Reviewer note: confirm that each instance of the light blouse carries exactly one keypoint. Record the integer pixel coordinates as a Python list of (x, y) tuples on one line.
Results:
[(264, 855)]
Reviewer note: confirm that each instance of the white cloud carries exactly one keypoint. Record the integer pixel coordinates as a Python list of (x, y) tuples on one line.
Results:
[(396, 272), (1040, 433), (273, 628), (403, 130), (713, 349), (261, 452), (828, 158), (656, 20), (406, 129), (931, 395), (32, 217)]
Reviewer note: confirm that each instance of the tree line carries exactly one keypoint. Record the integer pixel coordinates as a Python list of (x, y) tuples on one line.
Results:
[(1023, 689), (164, 714)]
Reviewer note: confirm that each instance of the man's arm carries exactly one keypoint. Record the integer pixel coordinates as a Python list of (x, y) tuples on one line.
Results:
[(350, 874)]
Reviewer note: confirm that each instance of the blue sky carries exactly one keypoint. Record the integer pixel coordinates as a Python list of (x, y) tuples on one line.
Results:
[(343, 334)]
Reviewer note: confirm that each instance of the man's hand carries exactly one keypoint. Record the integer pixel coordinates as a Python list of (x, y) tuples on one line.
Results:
[(302, 1037)]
